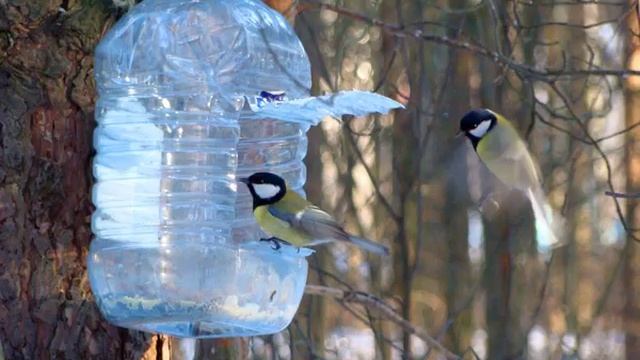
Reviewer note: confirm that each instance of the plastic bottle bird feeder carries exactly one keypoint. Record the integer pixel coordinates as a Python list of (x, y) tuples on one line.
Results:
[(192, 95)]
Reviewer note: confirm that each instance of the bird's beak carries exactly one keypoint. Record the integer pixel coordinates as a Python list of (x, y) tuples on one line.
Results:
[(244, 180), (459, 134)]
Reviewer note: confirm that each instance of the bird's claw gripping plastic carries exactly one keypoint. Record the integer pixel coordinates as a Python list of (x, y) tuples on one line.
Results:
[(275, 241)]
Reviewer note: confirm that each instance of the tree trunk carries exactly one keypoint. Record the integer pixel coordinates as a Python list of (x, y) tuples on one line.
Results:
[(508, 227), (46, 121), (632, 250), (459, 279)]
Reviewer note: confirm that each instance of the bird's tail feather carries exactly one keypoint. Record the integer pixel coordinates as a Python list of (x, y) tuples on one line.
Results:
[(549, 225), (369, 245)]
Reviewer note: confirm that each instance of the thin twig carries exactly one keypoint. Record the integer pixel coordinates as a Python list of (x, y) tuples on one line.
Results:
[(402, 32), (383, 200), (622, 195), (604, 157), (378, 304)]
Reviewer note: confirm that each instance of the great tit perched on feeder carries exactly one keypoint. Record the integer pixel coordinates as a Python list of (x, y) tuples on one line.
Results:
[(502, 150), (288, 217)]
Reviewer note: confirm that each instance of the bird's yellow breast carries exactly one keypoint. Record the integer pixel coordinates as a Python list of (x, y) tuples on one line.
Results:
[(279, 228)]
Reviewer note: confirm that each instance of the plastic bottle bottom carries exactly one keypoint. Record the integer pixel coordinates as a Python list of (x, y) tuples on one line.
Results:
[(195, 323), (197, 289)]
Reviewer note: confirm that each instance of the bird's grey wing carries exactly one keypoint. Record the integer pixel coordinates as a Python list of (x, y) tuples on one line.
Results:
[(515, 172), (514, 166), (313, 221), (507, 156), (531, 167), (322, 227)]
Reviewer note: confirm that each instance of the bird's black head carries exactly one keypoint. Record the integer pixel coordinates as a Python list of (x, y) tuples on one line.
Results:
[(266, 188), (477, 123)]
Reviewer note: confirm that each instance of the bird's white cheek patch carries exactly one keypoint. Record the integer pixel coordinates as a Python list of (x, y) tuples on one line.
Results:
[(481, 129), (266, 191)]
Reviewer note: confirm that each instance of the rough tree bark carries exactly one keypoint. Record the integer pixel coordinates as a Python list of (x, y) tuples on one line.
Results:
[(46, 121)]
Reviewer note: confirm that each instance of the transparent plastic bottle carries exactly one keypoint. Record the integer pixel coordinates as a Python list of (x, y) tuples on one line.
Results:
[(176, 249)]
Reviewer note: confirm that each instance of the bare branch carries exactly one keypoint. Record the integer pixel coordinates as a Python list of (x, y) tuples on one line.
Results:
[(571, 3), (599, 150), (378, 304), (622, 195), (542, 75)]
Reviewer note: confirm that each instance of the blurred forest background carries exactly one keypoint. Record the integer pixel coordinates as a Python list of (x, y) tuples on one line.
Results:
[(556, 68), (566, 72)]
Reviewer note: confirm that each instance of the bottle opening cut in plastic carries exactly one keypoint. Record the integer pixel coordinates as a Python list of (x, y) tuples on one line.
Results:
[(193, 95)]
